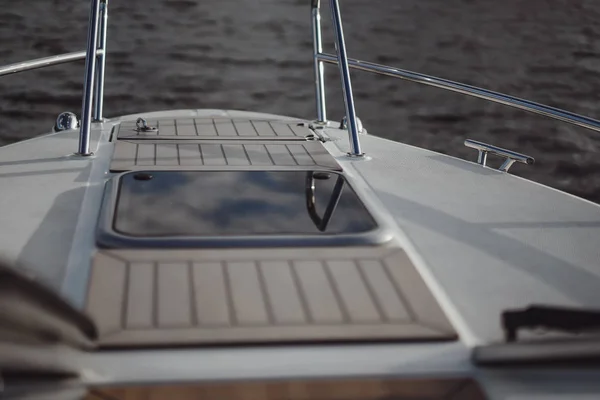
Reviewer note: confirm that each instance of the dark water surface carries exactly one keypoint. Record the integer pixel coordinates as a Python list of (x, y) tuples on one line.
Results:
[(256, 55)]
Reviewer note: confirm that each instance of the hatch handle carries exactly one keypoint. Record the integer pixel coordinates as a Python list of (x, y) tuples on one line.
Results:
[(141, 125), (321, 223), (511, 156)]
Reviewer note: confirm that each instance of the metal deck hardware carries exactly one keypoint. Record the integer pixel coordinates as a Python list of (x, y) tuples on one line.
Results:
[(361, 129), (44, 62), (66, 121), (88, 89), (345, 63), (321, 223), (95, 56), (342, 59), (511, 156), (319, 66), (101, 60), (142, 126)]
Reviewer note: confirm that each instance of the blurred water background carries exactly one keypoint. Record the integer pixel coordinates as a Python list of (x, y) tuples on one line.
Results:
[(256, 55)]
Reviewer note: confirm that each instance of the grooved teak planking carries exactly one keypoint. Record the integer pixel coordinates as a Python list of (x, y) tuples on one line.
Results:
[(203, 297)]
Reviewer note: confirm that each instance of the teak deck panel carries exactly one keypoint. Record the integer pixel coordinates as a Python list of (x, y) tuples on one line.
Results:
[(217, 154), (203, 297), (221, 128), (347, 389)]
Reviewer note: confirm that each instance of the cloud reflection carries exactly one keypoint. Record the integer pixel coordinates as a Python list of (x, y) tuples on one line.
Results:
[(226, 203)]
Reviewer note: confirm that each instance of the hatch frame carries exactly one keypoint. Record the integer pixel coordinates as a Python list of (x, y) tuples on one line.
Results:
[(108, 237)]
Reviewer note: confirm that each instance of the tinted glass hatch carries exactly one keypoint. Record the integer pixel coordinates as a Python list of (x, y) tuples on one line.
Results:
[(238, 203)]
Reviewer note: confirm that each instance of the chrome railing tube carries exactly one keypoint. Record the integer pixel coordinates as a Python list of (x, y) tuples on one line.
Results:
[(537, 108), (88, 88), (319, 65), (342, 59), (42, 63), (101, 60)]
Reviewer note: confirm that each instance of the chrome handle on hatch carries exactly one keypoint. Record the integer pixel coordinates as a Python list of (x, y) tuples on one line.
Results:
[(321, 223)]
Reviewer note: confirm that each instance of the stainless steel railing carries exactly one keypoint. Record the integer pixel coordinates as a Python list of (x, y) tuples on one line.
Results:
[(95, 57), (43, 62), (341, 59), (319, 65), (90, 74), (95, 61), (101, 60)]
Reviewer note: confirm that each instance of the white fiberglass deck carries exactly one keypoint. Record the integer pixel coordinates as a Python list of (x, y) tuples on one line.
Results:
[(483, 241)]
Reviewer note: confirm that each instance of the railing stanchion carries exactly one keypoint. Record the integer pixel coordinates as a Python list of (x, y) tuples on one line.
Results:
[(88, 88), (101, 61), (319, 66), (346, 82)]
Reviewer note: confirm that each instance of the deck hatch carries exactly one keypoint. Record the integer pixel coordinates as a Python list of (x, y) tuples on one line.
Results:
[(217, 128), (208, 208)]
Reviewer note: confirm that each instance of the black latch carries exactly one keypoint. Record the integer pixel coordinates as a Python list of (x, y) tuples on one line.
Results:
[(567, 319)]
